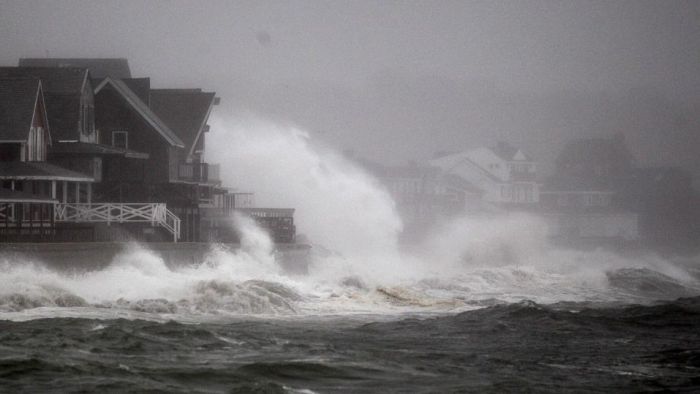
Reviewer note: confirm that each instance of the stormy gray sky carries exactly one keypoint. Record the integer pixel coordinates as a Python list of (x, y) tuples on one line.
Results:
[(400, 80)]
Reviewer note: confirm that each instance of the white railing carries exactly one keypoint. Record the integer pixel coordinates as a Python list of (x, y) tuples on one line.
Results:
[(154, 213)]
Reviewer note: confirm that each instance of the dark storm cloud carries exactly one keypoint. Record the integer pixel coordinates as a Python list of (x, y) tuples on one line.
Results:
[(432, 75)]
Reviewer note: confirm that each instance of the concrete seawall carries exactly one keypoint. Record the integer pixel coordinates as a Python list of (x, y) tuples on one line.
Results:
[(84, 256)]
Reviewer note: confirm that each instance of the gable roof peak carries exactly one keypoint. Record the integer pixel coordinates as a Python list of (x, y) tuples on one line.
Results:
[(143, 109), (18, 101)]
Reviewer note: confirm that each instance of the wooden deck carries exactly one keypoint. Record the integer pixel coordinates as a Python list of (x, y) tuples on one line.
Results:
[(155, 213)]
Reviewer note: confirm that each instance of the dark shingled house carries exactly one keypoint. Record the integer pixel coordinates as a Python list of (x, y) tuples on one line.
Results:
[(31, 186), (141, 147), (69, 99)]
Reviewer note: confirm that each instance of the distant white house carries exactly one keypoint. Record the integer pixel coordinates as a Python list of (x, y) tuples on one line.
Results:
[(504, 174)]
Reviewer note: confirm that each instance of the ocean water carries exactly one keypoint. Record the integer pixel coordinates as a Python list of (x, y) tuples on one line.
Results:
[(482, 304), (236, 322)]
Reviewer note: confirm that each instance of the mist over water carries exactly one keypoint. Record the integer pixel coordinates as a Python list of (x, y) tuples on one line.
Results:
[(357, 264)]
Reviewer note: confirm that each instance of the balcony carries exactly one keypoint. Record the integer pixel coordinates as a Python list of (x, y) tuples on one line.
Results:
[(198, 172)]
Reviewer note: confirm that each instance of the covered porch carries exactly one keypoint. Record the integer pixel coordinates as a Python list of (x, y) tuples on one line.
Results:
[(46, 180), (26, 216)]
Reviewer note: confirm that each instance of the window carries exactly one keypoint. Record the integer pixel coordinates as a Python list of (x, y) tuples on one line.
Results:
[(120, 139), (35, 150), (89, 122)]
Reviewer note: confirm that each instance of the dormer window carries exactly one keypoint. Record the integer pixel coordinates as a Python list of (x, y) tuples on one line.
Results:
[(89, 121), (120, 139), (36, 145)]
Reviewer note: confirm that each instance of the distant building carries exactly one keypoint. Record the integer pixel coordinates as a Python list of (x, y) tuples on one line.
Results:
[(581, 199), (505, 175)]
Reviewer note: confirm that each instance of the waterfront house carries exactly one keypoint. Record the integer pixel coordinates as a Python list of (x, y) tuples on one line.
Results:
[(30, 187), (505, 175), (139, 155)]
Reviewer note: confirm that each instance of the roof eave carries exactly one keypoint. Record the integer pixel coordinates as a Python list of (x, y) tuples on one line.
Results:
[(171, 139), (46, 178), (201, 127)]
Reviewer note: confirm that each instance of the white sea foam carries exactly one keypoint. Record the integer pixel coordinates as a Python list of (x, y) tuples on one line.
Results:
[(356, 264)]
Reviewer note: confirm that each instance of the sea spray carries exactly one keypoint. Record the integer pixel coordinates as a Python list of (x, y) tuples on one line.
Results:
[(357, 265), (354, 226), (337, 205)]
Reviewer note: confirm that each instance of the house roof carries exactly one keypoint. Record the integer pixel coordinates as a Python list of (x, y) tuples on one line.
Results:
[(63, 88), (146, 113), (99, 67), (7, 195), (17, 103), (508, 152), (54, 80), (140, 86), (35, 170), (77, 148), (64, 115), (185, 110), (450, 162)]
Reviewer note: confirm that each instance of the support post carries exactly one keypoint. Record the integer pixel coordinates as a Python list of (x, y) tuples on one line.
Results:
[(53, 189), (65, 192), (89, 193)]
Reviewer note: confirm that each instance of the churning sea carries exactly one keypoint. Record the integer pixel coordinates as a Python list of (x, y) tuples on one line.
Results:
[(564, 322)]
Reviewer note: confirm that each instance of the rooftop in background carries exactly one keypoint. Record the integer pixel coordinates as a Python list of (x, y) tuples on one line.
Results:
[(54, 80), (99, 67), (508, 152), (17, 99)]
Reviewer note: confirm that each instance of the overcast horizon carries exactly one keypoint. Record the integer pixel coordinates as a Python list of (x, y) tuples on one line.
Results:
[(397, 81)]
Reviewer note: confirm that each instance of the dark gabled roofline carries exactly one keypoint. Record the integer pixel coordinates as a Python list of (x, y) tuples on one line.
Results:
[(40, 93), (86, 80), (483, 170), (146, 113), (202, 126), (37, 89)]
